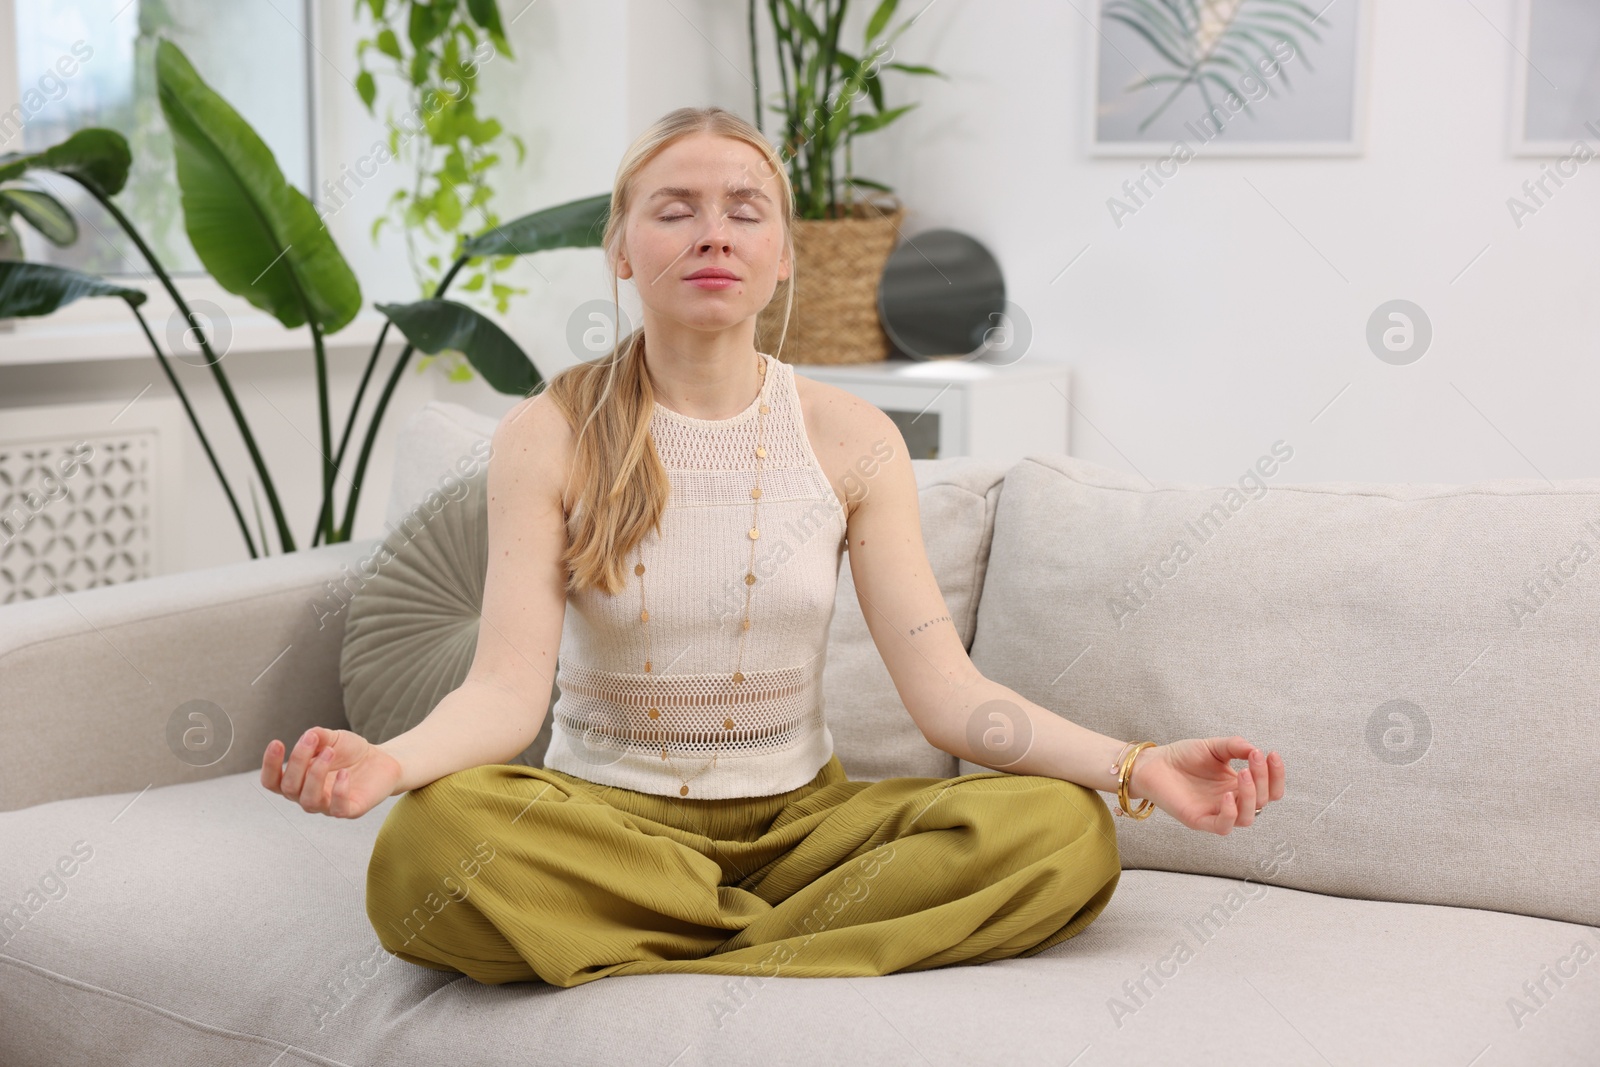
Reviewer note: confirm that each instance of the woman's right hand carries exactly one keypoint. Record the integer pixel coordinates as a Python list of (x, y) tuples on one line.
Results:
[(332, 772)]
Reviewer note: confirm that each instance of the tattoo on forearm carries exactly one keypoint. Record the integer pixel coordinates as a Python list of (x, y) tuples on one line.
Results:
[(930, 622)]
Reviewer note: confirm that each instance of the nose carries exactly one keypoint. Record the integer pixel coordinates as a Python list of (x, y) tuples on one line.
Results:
[(716, 235)]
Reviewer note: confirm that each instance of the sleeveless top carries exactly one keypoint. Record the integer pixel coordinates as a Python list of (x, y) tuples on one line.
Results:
[(694, 590)]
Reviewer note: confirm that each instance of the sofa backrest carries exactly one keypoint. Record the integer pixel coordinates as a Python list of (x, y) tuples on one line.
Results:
[(439, 451), (1425, 657)]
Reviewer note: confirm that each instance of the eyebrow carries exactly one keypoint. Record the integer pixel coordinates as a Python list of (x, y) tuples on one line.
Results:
[(679, 192)]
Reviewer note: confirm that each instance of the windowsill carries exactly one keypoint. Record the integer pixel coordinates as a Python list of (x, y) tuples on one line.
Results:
[(103, 328)]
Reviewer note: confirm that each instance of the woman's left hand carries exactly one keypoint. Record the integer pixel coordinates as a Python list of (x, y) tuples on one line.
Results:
[(1192, 781)]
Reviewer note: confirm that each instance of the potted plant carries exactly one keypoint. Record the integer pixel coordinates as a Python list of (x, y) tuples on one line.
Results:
[(841, 241), (261, 239)]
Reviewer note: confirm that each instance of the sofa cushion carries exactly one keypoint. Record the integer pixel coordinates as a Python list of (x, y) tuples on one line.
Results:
[(412, 627), (872, 731), (437, 442), (217, 923), (1425, 657)]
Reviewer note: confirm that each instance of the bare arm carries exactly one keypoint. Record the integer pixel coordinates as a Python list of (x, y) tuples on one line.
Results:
[(957, 709), (1016, 735), (498, 709), (476, 723), (980, 720)]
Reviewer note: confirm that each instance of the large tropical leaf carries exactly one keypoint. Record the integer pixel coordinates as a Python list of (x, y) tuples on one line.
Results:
[(575, 224), (42, 211), (436, 326), (39, 288), (257, 235), (93, 156)]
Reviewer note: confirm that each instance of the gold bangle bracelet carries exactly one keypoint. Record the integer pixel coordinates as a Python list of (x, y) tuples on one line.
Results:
[(1116, 764), (1124, 805)]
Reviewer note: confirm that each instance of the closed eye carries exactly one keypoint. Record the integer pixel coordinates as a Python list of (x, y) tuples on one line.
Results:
[(741, 218)]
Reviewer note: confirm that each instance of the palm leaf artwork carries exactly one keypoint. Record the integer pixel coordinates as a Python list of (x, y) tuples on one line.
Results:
[(1204, 41)]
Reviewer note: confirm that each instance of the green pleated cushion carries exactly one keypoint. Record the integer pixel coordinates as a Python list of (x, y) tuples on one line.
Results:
[(413, 626)]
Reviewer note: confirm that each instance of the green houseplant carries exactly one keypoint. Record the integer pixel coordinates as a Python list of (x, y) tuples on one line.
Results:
[(434, 52), (841, 243), (261, 239), (46, 214)]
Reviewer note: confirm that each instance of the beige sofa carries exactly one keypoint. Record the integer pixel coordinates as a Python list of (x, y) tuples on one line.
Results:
[(1427, 892)]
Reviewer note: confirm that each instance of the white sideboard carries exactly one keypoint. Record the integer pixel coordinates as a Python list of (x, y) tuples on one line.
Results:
[(953, 407)]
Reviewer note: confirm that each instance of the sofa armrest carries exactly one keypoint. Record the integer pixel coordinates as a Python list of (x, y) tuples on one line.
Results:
[(174, 678)]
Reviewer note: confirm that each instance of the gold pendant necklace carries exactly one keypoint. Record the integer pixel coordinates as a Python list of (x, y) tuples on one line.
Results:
[(753, 535)]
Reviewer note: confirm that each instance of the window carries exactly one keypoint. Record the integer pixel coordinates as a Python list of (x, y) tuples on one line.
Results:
[(76, 63)]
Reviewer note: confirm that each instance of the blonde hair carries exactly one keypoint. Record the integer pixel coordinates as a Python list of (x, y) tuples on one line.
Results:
[(622, 484)]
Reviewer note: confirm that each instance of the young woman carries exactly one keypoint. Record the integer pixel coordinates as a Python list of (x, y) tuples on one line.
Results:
[(670, 520)]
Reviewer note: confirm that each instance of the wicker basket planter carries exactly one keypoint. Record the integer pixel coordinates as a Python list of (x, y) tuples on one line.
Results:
[(838, 262)]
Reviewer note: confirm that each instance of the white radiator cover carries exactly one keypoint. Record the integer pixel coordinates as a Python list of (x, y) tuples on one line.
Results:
[(90, 494)]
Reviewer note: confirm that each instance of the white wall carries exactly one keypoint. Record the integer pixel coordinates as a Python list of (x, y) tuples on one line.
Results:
[(1209, 325), (1205, 328)]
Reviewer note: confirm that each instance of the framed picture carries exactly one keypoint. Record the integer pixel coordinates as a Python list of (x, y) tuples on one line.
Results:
[(1229, 77), (1555, 81)]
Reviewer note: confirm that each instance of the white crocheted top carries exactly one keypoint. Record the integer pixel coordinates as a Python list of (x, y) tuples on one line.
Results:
[(694, 590)]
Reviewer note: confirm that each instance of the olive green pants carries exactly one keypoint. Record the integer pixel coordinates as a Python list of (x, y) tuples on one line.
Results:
[(510, 873)]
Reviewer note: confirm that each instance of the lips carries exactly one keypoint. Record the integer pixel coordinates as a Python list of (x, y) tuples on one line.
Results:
[(711, 272)]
